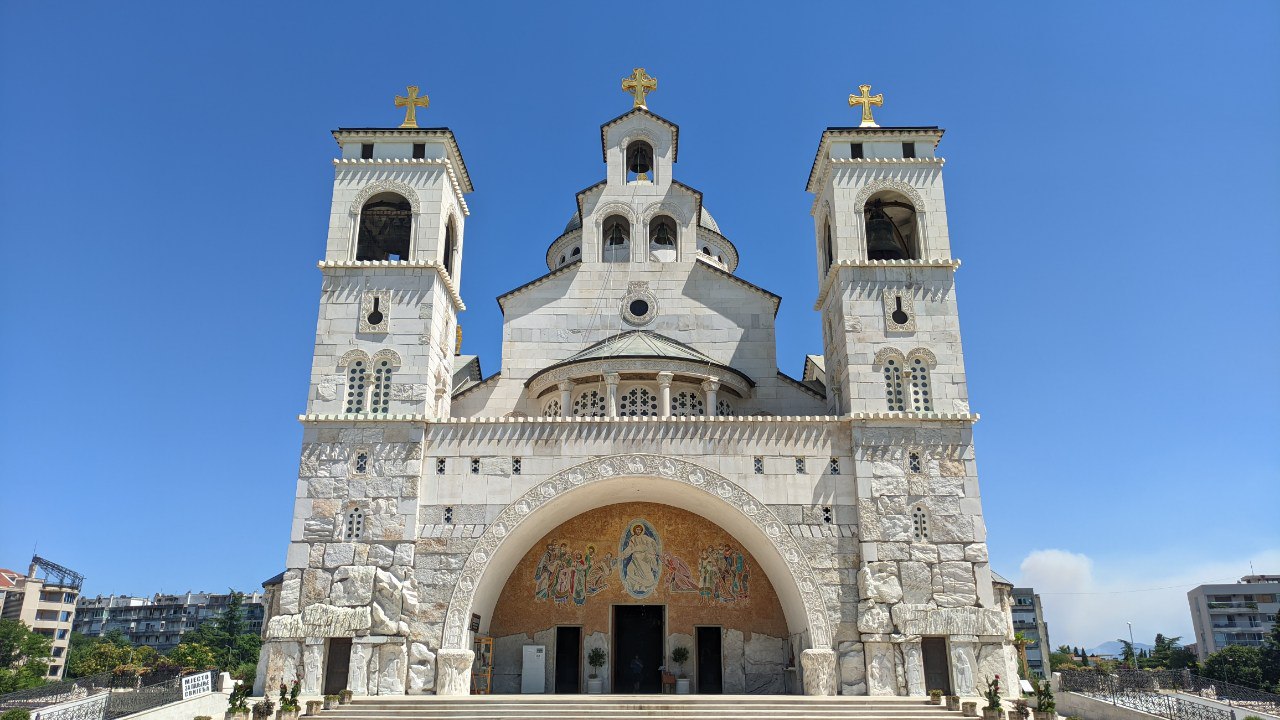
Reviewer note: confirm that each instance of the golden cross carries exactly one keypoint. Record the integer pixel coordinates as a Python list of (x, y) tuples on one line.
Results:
[(866, 100), (638, 84), (411, 105)]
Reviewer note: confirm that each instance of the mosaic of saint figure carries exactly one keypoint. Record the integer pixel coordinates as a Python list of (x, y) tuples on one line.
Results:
[(679, 577), (638, 557), (565, 576), (723, 574)]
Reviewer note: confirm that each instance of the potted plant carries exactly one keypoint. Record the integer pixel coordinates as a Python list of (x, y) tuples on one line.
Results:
[(935, 697), (1021, 710), (679, 656), (330, 702), (596, 659), (993, 710), (289, 708), (969, 709), (238, 703), (314, 706), (344, 697), (263, 709), (953, 702), (1046, 706)]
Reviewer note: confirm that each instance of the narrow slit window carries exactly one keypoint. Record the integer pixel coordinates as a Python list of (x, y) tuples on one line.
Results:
[(419, 151), (515, 465), (354, 527), (758, 465), (448, 515), (834, 466), (362, 463), (366, 151), (893, 386), (800, 465), (381, 387), (475, 466), (921, 393), (920, 525), (855, 151), (826, 515), (440, 465), (908, 150), (356, 386)]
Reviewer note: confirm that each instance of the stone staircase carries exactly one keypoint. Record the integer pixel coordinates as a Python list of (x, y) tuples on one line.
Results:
[(626, 707)]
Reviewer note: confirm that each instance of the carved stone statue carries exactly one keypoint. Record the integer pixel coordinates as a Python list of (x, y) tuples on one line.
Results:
[(914, 661), (454, 668), (964, 673), (819, 667)]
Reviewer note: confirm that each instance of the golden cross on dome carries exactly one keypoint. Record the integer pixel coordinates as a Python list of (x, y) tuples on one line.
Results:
[(639, 83), (411, 105), (866, 100)]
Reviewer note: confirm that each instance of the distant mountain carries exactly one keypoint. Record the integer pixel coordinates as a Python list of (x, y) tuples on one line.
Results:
[(1115, 648)]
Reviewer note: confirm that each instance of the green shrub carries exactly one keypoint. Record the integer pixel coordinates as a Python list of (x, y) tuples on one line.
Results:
[(15, 714)]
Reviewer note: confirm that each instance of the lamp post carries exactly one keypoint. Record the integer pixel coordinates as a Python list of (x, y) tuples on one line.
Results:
[(1133, 651)]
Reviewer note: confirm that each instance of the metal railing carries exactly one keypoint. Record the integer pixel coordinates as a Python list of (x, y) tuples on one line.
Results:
[(1208, 688), (120, 695), (58, 692), (1138, 693)]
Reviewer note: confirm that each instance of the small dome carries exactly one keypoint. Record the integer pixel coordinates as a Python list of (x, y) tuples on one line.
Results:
[(708, 222), (574, 223)]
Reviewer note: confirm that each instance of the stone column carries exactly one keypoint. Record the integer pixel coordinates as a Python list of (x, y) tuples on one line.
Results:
[(819, 665), (566, 397), (611, 380), (453, 669), (710, 387), (664, 384), (913, 660)]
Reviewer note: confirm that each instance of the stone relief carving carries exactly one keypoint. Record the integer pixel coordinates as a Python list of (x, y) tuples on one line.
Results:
[(375, 305), (453, 668), (899, 310), (819, 667), (381, 186), (963, 662), (924, 354), (599, 469), (882, 184), (889, 353)]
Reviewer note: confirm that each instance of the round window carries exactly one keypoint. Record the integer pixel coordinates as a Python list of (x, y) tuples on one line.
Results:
[(639, 308)]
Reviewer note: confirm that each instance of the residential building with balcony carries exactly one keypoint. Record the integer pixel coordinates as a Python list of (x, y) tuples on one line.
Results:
[(1241, 613), (45, 604), (160, 620), (1028, 619)]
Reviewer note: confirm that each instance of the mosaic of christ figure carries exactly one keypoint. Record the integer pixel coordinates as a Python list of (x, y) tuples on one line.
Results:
[(638, 557)]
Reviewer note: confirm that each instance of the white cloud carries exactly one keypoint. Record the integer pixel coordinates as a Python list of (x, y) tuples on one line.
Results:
[(1087, 603)]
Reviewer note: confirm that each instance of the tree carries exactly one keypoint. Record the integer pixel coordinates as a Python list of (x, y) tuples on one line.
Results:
[(1127, 656), (1169, 654), (93, 657), (193, 656), (1270, 664), (24, 656), (228, 636), (1236, 664)]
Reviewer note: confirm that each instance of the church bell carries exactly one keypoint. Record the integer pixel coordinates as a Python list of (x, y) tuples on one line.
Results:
[(884, 240), (639, 160)]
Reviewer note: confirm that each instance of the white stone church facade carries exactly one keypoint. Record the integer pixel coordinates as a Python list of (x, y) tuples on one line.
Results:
[(639, 447)]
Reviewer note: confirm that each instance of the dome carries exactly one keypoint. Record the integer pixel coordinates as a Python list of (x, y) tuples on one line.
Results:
[(574, 223)]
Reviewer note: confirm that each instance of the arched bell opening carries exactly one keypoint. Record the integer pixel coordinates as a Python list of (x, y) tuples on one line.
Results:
[(639, 161), (386, 228), (449, 256), (616, 239), (828, 249), (662, 239), (892, 228), (639, 579)]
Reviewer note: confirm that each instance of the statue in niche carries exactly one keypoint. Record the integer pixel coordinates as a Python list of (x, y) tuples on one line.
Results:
[(638, 558), (964, 673)]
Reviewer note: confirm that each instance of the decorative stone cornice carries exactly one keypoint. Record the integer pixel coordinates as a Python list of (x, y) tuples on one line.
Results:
[(457, 185), (410, 134), (824, 146), (834, 271), (399, 265), (874, 418)]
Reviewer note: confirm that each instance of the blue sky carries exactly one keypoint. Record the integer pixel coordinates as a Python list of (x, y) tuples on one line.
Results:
[(1112, 180)]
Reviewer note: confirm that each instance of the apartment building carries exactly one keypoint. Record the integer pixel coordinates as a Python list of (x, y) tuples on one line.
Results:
[(1028, 619), (1240, 613), (161, 620), (46, 604)]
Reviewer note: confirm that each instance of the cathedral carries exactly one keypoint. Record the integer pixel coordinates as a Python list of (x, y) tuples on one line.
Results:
[(638, 497)]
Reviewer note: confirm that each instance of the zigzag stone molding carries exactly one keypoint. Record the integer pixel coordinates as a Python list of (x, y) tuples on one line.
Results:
[(619, 466)]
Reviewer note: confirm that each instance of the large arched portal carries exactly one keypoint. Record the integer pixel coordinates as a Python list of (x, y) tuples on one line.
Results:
[(638, 478)]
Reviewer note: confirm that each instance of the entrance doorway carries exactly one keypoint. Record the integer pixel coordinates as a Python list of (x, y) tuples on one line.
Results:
[(568, 659), (937, 668), (710, 670), (638, 631), (337, 663)]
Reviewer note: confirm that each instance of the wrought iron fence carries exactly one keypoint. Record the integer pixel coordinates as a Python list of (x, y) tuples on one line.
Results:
[(127, 702), (1139, 693), (59, 692), (1187, 682)]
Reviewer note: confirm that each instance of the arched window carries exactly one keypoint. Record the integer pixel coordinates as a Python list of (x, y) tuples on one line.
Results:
[(921, 393), (616, 238), (575, 252), (893, 385), (386, 224), (828, 255), (892, 231), (589, 404), (552, 409), (687, 402), (357, 385), (919, 524), (662, 239), (381, 400), (450, 247), (353, 525), (637, 401), (639, 161), (724, 408)]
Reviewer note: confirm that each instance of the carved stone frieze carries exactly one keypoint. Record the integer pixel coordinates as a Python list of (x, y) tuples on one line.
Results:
[(386, 185)]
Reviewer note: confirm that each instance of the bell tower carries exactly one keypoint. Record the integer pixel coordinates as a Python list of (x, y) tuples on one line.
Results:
[(886, 289), (392, 271)]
